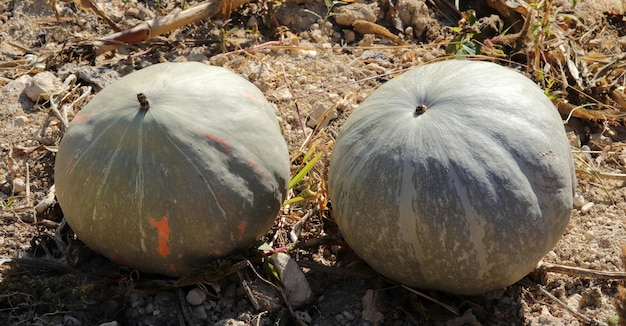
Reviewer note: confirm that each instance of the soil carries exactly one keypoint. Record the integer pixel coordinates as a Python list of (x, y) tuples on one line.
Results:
[(310, 62)]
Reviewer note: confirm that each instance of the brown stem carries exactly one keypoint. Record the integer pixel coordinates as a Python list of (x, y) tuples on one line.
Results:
[(161, 25)]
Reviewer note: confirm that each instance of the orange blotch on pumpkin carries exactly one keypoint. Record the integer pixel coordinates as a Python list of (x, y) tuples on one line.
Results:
[(253, 98), (82, 117), (216, 139), (71, 161), (173, 268), (257, 170), (163, 233)]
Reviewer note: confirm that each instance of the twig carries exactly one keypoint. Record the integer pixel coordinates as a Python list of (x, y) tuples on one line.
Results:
[(254, 48), (295, 101), (578, 271), (50, 264), (282, 294), (161, 25), (26, 216), (28, 187), (47, 201), (88, 5), (585, 319), (445, 306)]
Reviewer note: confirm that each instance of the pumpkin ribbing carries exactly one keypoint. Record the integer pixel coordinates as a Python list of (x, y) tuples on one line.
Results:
[(465, 195), (171, 166)]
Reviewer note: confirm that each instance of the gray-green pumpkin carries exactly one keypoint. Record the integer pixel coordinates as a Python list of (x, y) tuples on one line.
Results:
[(455, 176), (198, 171)]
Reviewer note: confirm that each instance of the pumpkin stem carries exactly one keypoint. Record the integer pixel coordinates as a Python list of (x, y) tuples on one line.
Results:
[(144, 102), (419, 110)]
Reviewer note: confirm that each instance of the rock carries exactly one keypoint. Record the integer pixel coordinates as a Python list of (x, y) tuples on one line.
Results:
[(318, 118), (195, 296), (468, 319), (42, 86), (317, 35), (304, 316), (348, 315), (370, 312), (574, 300), (295, 284), (349, 36), (71, 321), (591, 298), (346, 15), (586, 207), (97, 76), (18, 185), (110, 323), (230, 322), (18, 86), (579, 200), (200, 313), (298, 18), (20, 120), (415, 13)]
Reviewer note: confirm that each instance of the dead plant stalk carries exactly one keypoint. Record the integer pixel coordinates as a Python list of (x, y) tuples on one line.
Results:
[(161, 25)]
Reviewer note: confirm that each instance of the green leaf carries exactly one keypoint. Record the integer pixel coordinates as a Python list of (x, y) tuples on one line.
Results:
[(471, 17), (306, 194), (265, 247), (272, 269), (468, 48), (454, 45), (304, 171)]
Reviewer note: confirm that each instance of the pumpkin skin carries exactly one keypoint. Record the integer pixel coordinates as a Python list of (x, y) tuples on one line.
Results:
[(200, 174), (455, 176)]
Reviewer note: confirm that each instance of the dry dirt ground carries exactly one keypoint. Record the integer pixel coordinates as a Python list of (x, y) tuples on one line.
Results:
[(311, 63)]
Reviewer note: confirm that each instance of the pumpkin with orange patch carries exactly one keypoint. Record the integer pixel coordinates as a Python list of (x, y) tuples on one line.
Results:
[(192, 169)]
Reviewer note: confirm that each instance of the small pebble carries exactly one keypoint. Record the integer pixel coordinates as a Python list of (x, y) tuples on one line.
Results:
[(18, 86), (71, 321), (20, 121), (195, 296), (110, 323), (294, 281), (348, 315), (42, 86), (579, 200), (18, 185), (304, 316), (586, 207), (200, 313)]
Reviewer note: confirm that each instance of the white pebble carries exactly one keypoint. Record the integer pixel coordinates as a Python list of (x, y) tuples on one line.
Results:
[(43, 85), (19, 85), (195, 296), (579, 200), (348, 315), (18, 185), (294, 281), (20, 121), (304, 316), (586, 207), (110, 323)]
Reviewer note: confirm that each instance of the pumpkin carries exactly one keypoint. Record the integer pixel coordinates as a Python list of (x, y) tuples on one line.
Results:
[(455, 176), (172, 166)]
